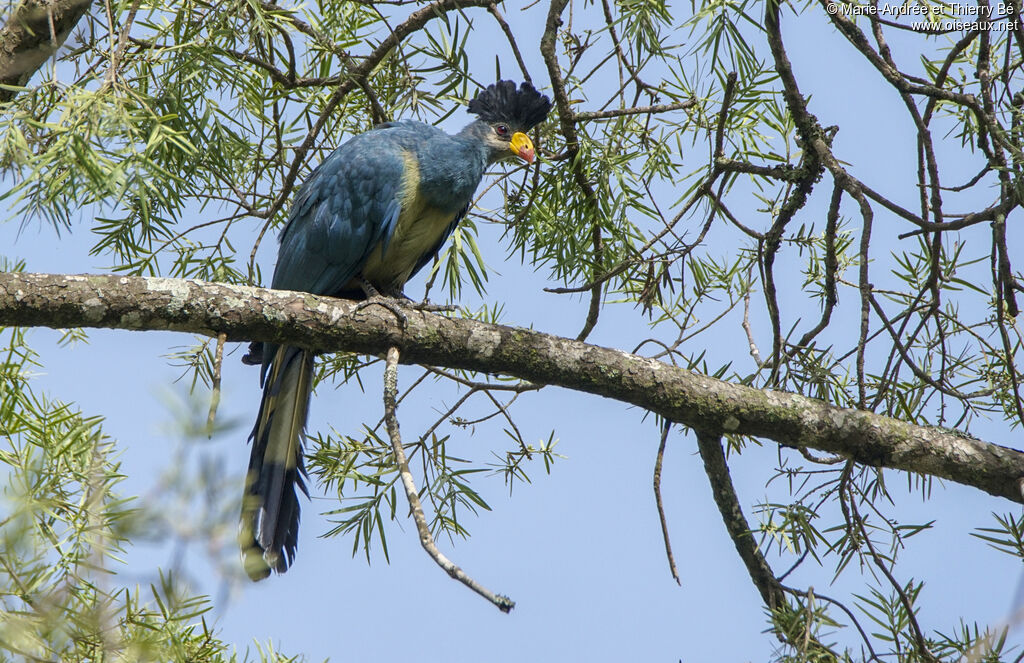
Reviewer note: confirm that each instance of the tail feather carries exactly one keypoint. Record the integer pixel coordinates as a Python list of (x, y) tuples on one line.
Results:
[(268, 532)]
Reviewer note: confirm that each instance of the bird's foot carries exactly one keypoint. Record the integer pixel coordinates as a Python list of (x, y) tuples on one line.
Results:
[(395, 301), (392, 304), (389, 301), (368, 288)]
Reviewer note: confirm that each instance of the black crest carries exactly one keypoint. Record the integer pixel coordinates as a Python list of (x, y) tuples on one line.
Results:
[(524, 108)]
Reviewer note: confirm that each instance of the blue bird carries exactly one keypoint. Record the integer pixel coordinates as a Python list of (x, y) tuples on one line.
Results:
[(375, 212)]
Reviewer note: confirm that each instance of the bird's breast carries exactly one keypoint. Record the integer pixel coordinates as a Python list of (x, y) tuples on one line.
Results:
[(417, 234)]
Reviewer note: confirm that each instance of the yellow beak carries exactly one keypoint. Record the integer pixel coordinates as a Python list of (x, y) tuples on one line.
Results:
[(522, 146)]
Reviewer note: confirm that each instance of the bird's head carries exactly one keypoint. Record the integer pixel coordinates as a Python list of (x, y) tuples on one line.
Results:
[(506, 114)]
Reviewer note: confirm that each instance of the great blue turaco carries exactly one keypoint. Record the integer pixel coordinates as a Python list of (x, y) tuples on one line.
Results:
[(370, 216)]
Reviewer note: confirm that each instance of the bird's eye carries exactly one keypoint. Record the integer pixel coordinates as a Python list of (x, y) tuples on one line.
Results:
[(501, 130)]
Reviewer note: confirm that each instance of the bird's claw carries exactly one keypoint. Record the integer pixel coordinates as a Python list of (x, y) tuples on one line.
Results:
[(392, 304), (397, 304), (395, 301)]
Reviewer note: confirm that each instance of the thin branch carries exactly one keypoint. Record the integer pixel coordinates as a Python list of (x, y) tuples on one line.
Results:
[(503, 603), (711, 452), (831, 267), (760, 572), (751, 341), (666, 426), (122, 42), (784, 171), (908, 607), (218, 362), (584, 116), (493, 8), (567, 125), (723, 115)]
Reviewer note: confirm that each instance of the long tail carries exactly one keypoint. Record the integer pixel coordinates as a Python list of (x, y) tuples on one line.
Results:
[(269, 527)]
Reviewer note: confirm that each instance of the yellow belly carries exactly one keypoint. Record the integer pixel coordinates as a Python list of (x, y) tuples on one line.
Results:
[(416, 234)]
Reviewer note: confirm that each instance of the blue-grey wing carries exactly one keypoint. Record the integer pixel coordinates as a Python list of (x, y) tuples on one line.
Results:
[(349, 204)]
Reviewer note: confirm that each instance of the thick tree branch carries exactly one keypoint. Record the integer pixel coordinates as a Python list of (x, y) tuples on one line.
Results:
[(33, 32), (325, 324)]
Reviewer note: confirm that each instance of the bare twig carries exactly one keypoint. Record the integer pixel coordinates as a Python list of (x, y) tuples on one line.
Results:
[(637, 110), (218, 362), (666, 426), (754, 352), (493, 8), (118, 52), (854, 518), (710, 446), (503, 603)]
